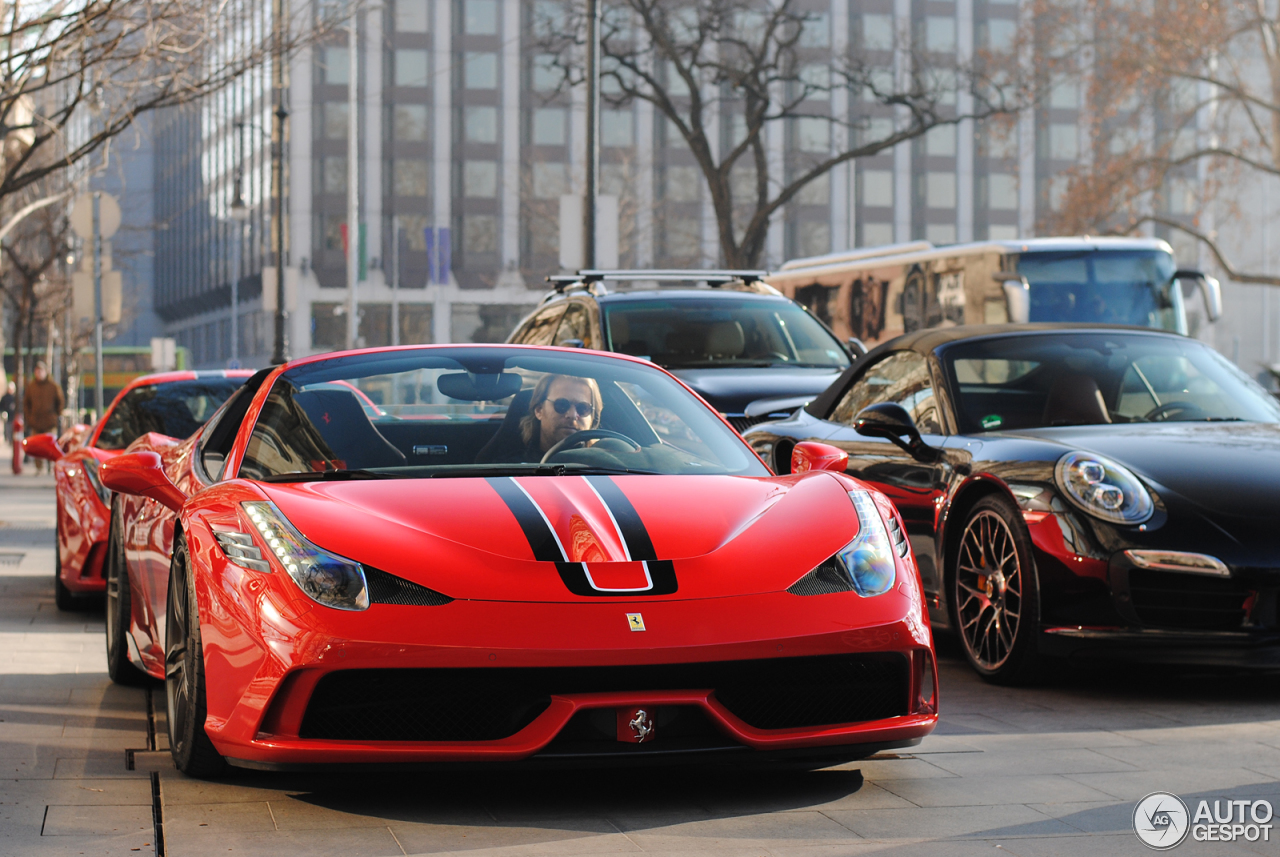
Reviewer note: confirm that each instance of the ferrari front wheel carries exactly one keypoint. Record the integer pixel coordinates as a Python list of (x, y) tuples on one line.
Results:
[(994, 593), (118, 607), (193, 752)]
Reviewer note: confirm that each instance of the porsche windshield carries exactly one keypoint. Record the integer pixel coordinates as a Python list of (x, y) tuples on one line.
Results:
[(479, 411), (684, 333), (1021, 382), (1104, 286)]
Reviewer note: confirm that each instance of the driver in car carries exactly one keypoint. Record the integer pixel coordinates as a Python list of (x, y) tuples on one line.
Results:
[(561, 406)]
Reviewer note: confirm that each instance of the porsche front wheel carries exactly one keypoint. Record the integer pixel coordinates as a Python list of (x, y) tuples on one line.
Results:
[(994, 593), (118, 606), (193, 752)]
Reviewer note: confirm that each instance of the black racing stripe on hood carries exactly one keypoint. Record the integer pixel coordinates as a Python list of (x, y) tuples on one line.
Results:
[(633, 531), (536, 529)]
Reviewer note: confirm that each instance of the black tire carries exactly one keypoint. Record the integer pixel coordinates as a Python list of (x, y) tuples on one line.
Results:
[(994, 594), (193, 752), (118, 606)]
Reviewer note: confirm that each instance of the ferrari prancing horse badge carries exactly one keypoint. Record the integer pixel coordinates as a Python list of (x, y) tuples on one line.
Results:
[(636, 621)]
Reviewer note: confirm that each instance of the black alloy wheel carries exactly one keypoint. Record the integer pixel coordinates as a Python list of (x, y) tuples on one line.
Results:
[(193, 752), (994, 593), (118, 605)]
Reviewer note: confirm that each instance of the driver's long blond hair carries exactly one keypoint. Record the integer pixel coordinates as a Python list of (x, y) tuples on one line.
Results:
[(530, 425)]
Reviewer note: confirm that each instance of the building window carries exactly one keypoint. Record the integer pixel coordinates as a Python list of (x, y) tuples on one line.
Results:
[(875, 234), (328, 330), (1002, 192), (941, 141), (337, 66), (544, 235), (480, 179), (409, 177), (816, 79), (480, 70), (409, 122), (813, 134), (549, 180), (1063, 142), (814, 237), (682, 184), (816, 192), (411, 16), (939, 34), (615, 128), (411, 67), (481, 17), (1000, 34), (479, 233), (940, 233), (548, 126), (336, 116), (546, 75), (877, 32), (682, 237), (333, 174), (877, 188), (480, 124), (940, 190)]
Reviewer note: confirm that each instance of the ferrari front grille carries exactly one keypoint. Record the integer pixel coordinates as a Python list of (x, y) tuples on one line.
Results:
[(1193, 602), (490, 704), (386, 588), (825, 579)]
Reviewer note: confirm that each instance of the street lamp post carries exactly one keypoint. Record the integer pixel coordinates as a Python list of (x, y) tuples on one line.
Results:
[(240, 215), (593, 134)]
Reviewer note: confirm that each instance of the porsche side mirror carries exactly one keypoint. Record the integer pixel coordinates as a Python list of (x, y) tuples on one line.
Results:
[(42, 446), (811, 455), (856, 347), (891, 421), (140, 474)]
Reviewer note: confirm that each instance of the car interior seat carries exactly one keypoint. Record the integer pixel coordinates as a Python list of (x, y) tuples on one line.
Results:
[(506, 445), (725, 339), (339, 419), (1074, 399)]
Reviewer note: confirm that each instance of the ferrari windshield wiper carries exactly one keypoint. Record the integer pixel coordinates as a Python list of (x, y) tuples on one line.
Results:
[(327, 476)]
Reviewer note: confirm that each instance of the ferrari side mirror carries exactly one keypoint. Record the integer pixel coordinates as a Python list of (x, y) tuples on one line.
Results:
[(891, 421), (42, 446), (811, 455), (140, 474)]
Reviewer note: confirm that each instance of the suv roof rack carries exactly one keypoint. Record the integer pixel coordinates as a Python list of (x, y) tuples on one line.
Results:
[(712, 277)]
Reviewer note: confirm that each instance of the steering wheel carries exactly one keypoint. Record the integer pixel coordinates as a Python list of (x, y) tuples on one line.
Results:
[(583, 436), (1160, 412)]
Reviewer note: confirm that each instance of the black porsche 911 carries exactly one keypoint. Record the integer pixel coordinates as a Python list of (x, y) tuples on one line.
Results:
[(1069, 491)]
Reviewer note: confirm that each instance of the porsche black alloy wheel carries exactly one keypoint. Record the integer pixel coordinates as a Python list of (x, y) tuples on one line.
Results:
[(994, 596), (118, 606), (193, 752)]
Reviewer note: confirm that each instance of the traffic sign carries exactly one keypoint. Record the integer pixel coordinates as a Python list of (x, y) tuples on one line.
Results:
[(82, 215)]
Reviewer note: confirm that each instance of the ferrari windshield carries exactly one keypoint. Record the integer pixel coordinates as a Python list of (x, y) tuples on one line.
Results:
[(475, 411), (1042, 380), (175, 408), (684, 333)]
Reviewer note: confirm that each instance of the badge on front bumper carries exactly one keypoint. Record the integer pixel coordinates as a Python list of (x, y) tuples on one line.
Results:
[(636, 621), (635, 725)]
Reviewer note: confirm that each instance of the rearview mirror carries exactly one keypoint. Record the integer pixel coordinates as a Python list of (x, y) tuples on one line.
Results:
[(1210, 288), (42, 446), (140, 474), (891, 421), (479, 387), (811, 455)]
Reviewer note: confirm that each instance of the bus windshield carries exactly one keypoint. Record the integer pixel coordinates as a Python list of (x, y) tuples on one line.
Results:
[(1105, 287)]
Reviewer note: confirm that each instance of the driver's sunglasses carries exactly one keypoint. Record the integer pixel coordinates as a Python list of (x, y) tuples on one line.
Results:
[(584, 409)]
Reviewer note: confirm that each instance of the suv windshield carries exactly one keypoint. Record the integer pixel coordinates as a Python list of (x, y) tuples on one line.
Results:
[(1104, 286), (175, 408), (481, 411), (689, 333), (1021, 382)]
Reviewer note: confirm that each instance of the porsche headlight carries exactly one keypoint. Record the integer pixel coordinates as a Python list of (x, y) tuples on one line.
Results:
[(325, 577), (1104, 488)]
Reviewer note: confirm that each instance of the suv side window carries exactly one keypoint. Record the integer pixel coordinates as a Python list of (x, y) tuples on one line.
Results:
[(576, 324), (902, 378), (539, 329)]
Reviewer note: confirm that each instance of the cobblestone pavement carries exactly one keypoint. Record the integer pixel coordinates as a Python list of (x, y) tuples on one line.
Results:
[(1050, 770)]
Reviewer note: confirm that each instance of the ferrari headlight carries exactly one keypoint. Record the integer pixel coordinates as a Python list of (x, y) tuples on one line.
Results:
[(1104, 488), (325, 577), (868, 559)]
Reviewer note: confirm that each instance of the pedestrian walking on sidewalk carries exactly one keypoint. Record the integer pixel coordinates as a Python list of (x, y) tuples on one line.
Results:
[(43, 405)]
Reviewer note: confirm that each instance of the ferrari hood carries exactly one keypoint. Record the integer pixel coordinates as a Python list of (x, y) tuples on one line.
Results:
[(560, 538)]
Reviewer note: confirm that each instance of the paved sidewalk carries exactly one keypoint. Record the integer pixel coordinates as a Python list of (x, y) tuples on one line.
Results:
[(1052, 770)]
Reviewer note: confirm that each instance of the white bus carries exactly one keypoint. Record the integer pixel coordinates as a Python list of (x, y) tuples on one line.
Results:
[(873, 294)]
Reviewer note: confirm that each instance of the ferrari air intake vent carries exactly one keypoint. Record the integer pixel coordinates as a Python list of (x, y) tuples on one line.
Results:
[(826, 578), (899, 538), (388, 589), (489, 704)]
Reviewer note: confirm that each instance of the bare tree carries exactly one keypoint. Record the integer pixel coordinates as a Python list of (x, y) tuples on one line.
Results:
[(735, 77), (1185, 104)]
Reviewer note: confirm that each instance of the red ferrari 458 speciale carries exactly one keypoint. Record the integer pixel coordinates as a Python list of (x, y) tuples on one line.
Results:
[(173, 404), (500, 553)]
